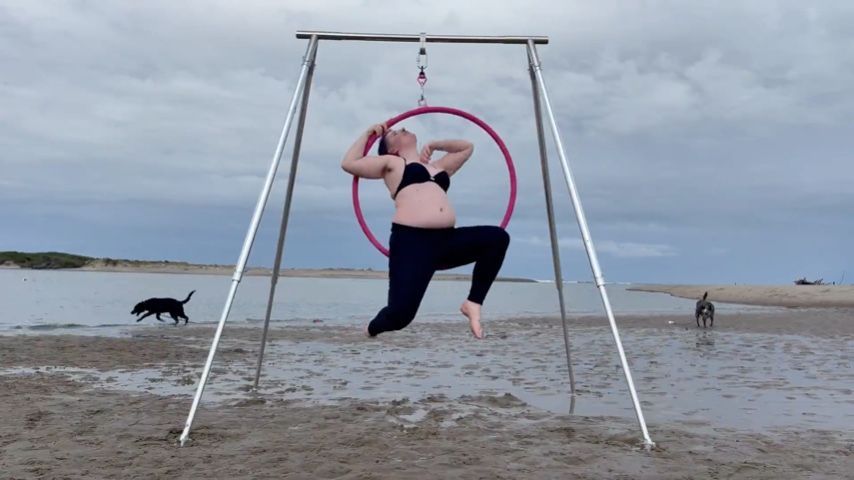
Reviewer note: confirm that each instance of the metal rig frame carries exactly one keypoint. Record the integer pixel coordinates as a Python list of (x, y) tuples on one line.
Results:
[(300, 99)]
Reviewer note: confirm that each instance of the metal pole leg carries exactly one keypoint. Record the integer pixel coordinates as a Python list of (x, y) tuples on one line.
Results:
[(547, 187), (588, 242), (277, 263), (250, 237)]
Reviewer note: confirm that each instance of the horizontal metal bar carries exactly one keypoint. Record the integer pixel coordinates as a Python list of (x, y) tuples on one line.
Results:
[(392, 37)]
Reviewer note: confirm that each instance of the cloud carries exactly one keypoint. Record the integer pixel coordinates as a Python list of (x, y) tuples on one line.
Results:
[(677, 116)]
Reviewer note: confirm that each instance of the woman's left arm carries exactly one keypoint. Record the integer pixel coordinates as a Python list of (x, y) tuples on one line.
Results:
[(458, 151)]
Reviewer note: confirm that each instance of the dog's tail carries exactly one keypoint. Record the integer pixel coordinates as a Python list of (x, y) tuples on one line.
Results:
[(705, 295), (188, 297)]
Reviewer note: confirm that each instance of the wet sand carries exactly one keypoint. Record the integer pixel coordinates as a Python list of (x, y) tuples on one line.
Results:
[(762, 395)]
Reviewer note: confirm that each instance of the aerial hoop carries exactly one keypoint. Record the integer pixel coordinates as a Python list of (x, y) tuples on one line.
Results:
[(449, 111)]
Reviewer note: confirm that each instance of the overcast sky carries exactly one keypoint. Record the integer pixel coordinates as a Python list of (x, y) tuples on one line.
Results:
[(711, 141)]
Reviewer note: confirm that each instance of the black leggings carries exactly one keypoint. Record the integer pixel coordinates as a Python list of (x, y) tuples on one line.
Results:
[(416, 253)]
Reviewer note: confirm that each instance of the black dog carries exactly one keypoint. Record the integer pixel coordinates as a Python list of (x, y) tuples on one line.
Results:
[(706, 310), (157, 306)]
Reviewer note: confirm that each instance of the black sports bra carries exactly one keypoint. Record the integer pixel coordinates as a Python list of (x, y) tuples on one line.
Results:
[(421, 175)]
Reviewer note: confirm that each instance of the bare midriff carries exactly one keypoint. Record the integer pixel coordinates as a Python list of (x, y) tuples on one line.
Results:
[(423, 205)]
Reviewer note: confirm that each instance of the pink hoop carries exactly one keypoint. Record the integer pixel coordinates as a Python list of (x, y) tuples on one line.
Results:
[(450, 111)]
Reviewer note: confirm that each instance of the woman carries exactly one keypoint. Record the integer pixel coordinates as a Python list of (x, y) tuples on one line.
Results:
[(423, 236)]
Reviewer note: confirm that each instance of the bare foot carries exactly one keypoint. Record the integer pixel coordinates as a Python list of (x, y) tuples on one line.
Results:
[(472, 311)]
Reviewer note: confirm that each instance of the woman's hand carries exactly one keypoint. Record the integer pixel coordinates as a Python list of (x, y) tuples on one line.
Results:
[(458, 151), (378, 129), (354, 159), (426, 153)]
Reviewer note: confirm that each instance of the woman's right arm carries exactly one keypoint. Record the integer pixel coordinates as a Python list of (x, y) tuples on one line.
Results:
[(355, 163)]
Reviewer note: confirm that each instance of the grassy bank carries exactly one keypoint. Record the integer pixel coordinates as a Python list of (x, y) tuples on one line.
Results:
[(44, 260)]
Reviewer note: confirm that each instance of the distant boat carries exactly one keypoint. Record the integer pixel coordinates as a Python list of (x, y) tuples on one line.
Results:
[(804, 281)]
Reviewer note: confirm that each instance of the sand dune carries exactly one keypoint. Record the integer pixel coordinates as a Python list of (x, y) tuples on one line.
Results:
[(768, 295)]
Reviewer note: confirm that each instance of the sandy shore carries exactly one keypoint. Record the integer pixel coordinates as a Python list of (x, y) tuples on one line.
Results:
[(198, 269), (761, 396), (767, 295)]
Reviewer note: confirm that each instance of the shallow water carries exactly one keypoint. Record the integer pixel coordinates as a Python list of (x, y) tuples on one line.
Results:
[(99, 303)]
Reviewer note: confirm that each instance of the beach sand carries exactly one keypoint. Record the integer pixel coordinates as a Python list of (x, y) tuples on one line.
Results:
[(763, 395), (768, 295)]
